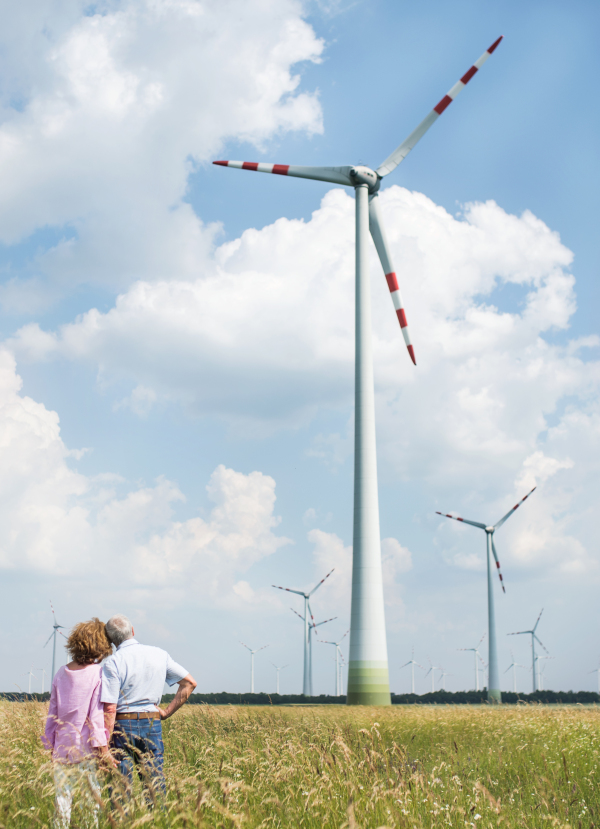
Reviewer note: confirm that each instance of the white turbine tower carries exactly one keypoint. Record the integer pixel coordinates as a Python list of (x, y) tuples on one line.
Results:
[(476, 656), (56, 627), (412, 664), (312, 626), (494, 694), (31, 676), (514, 665), (432, 671), (44, 675), (443, 676), (368, 679), (338, 654), (306, 685), (534, 636), (278, 668), (252, 663), (540, 671)]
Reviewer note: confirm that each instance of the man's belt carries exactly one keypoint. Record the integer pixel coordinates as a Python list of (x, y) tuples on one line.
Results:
[(139, 715)]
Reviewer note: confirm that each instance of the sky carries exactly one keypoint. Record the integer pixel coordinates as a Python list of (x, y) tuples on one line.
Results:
[(177, 342)]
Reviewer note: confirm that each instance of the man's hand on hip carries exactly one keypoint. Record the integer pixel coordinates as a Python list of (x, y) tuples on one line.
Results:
[(186, 687)]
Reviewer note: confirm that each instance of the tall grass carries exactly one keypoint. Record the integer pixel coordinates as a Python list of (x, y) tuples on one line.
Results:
[(529, 766)]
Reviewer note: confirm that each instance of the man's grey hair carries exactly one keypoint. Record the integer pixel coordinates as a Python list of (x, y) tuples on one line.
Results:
[(119, 629)]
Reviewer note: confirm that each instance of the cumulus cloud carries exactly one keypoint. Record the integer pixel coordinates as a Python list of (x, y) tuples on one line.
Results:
[(58, 522), (100, 131)]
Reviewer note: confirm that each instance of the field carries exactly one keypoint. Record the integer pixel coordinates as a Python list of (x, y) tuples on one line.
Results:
[(322, 767)]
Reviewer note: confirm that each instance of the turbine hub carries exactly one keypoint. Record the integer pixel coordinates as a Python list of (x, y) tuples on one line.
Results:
[(364, 175), (489, 529)]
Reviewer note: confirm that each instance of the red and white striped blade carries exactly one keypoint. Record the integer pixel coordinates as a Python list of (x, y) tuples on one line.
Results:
[(403, 150), (516, 506), (498, 566), (462, 520), (335, 175), (383, 251), (321, 582), (289, 590)]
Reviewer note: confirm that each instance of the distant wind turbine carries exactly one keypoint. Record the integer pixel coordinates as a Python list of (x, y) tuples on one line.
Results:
[(252, 663), (597, 671), (278, 668), (443, 676), (31, 676), (368, 679), (43, 677), (306, 685), (494, 693), (514, 665), (338, 654), (476, 656), (541, 671), (312, 626), (56, 627), (412, 664), (534, 637), (432, 671)]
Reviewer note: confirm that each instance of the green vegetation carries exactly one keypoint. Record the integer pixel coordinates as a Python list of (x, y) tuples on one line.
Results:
[(405, 766)]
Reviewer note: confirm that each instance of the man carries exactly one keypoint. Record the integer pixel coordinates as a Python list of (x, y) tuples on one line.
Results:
[(133, 679)]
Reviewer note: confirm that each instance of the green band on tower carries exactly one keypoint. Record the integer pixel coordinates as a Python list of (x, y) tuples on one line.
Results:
[(368, 684)]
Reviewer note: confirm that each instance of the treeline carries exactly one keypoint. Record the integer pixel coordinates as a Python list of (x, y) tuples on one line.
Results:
[(437, 698)]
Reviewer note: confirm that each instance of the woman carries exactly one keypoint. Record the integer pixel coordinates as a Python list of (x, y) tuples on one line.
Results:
[(75, 731)]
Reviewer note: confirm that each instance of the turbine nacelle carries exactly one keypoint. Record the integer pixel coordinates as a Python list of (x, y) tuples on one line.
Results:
[(364, 175), (489, 529)]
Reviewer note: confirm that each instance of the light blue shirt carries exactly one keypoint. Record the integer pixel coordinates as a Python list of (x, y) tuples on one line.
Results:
[(135, 675)]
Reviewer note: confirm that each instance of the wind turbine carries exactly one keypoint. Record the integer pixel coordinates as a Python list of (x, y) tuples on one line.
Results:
[(252, 663), (306, 685), (443, 676), (56, 627), (432, 671), (412, 663), (475, 657), (43, 677), (597, 671), (368, 678), (312, 625), (338, 653), (31, 676), (514, 665), (494, 694), (277, 668), (541, 672), (534, 636)]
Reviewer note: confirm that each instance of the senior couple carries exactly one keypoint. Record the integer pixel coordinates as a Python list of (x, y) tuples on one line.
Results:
[(104, 710)]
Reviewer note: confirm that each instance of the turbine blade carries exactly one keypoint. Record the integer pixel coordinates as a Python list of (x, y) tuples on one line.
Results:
[(403, 150), (245, 645), (510, 512), (297, 614), (519, 632), (538, 619), (383, 251), (321, 582), (49, 638), (405, 664), (289, 590), (498, 564), (335, 175), (542, 644), (463, 520)]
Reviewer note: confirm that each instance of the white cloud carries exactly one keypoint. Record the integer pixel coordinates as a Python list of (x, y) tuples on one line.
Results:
[(99, 133), (58, 522)]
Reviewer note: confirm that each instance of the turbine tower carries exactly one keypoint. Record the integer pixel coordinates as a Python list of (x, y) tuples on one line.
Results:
[(44, 675), (31, 676), (368, 677), (534, 636), (412, 663), (476, 656), (312, 625), (514, 665), (338, 654), (494, 694), (306, 685), (252, 663), (277, 668), (597, 671), (432, 671), (56, 627)]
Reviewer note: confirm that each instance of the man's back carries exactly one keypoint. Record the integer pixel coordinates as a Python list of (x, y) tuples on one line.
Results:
[(134, 676)]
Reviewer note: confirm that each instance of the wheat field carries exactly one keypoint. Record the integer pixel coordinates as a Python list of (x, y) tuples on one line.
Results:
[(329, 766)]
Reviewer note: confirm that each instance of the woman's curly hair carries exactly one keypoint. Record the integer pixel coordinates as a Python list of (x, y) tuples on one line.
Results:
[(88, 642)]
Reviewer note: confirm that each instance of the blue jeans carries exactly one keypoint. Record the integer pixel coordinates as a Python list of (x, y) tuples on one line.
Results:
[(139, 744)]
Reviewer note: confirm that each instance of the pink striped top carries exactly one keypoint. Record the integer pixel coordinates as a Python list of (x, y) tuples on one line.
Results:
[(75, 724)]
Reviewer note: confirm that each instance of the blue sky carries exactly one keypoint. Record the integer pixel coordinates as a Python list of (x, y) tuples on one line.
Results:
[(178, 326)]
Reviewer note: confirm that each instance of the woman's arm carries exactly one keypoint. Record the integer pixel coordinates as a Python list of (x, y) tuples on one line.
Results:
[(49, 735)]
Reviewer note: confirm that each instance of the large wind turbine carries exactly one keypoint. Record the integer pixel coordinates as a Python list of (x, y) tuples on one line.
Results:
[(412, 664), (494, 694), (368, 677), (534, 636), (252, 663), (338, 654), (312, 626), (306, 685), (475, 657), (56, 627)]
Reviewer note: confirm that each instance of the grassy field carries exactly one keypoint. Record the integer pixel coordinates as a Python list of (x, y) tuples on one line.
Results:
[(526, 766)]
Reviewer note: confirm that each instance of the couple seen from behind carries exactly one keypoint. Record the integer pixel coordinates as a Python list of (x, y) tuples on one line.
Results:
[(104, 713)]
